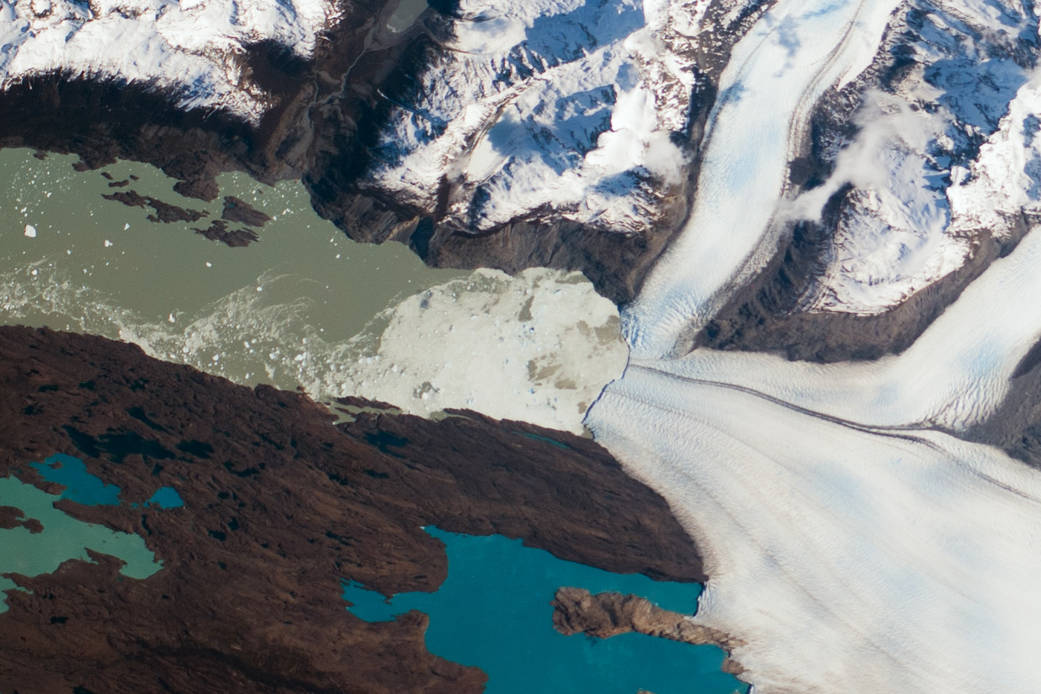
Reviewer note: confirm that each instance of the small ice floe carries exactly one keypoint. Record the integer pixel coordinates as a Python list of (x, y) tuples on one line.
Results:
[(108, 244), (30, 231), (126, 226), (209, 264)]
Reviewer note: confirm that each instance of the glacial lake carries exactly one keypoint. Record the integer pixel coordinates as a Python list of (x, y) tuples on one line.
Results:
[(73, 260), (493, 612), (303, 306)]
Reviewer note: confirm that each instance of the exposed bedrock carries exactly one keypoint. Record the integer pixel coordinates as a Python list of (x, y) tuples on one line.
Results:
[(764, 315), (103, 117), (1016, 424), (479, 137), (280, 505), (577, 611)]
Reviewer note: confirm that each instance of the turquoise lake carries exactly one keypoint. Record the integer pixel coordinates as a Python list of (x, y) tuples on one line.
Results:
[(493, 611), (80, 486), (89, 490)]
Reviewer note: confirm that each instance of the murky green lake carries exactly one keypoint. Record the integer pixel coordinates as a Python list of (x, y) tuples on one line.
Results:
[(63, 537), (72, 260)]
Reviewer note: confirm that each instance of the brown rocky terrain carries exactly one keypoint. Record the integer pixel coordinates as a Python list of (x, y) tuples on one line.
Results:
[(280, 506), (577, 611)]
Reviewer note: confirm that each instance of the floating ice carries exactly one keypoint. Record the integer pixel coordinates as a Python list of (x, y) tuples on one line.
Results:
[(537, 347)]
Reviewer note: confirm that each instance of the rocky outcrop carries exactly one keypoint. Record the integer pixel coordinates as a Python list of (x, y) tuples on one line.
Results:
[(577, 611), (456, 219), (104, 118), (280, 506), (237, 210)]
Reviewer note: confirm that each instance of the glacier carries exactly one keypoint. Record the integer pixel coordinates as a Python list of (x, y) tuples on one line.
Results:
[(775, 75), (854, 538)]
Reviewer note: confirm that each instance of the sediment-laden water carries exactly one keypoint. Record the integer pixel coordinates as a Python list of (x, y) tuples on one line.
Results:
[(303, 306)]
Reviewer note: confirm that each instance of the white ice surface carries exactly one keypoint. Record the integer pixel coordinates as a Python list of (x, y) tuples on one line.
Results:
[(853, 543), (846, 560), (953, 376), (192, 49), (775, 75)]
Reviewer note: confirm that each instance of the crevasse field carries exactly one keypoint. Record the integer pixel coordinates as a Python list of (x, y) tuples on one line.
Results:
[(853, 541)]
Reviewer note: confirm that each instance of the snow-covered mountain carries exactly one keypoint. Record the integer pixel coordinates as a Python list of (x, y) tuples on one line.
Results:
[(193, 50), (583, 111), (856, 540), (571, 106), (598, 115), (948, 77)]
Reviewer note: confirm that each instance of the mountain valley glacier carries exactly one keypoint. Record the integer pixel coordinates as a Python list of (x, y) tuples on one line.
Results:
[(853, 541)]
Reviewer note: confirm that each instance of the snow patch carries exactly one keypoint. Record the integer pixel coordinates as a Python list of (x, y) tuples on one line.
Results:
[(569, 105), (192, 50), (1005, 180), (912, 218)]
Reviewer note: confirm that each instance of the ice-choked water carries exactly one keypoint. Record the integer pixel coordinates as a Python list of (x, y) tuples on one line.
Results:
[(853, 542)]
